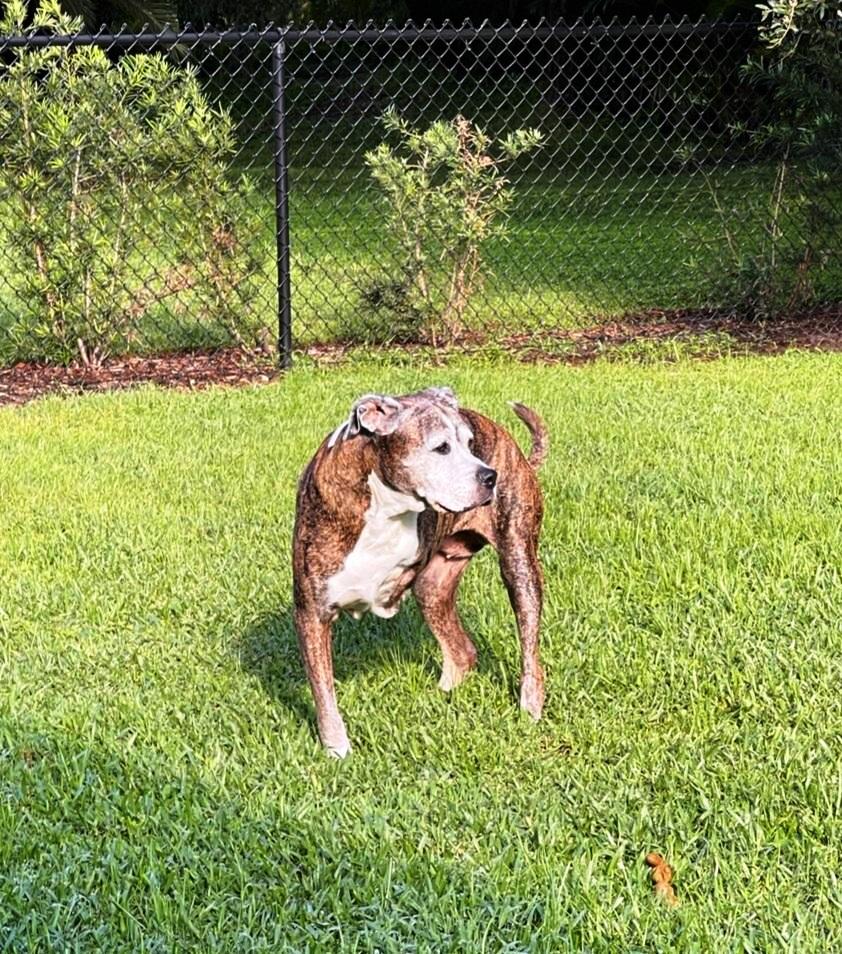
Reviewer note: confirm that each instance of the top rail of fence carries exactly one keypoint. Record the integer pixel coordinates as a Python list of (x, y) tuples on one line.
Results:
[(409, 32)]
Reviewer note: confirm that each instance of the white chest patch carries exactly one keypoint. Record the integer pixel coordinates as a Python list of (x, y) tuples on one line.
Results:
[(387, 545)]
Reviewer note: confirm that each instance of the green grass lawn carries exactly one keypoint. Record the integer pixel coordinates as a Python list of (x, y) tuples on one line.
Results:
[(630, 204), (162, 788), (606, 220), (577, 250)]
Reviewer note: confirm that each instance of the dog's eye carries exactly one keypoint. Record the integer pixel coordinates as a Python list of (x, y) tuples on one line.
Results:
[(442, 448)]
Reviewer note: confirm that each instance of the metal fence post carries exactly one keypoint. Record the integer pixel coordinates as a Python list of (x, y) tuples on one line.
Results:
[(279, 149)]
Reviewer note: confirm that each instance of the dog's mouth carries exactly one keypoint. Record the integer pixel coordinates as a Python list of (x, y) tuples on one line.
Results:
[(441, 508)]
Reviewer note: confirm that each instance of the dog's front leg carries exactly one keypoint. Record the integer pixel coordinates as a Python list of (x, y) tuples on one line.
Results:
[(435, 590), (314, 638)]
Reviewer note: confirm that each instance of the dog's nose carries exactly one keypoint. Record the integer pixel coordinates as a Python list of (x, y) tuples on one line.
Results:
[(487, 477)]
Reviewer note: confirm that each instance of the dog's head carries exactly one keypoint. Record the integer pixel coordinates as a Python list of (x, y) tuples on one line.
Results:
[(424, 447)]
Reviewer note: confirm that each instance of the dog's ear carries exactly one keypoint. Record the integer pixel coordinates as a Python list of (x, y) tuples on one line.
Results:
[(373, 414), (445, 395)]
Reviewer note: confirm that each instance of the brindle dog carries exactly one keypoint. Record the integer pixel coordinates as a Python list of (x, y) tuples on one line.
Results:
[(403, 494)]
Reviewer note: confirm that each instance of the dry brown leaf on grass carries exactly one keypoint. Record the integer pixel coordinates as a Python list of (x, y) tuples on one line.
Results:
[(662, 878)]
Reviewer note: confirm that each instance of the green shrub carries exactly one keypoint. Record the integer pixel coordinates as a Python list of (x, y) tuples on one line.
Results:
[(798, 71), (446, 196), (106, 164), (801, 70)]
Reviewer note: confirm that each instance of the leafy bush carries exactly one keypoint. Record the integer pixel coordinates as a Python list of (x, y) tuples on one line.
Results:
[(106, 164), (446, 197), (799, 72), (802, 72)]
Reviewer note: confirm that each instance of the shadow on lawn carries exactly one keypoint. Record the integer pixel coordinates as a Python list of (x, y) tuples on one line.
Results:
[(189, 848), (268, 649)]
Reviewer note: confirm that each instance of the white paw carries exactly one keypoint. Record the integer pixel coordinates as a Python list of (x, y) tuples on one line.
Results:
[(451, 676), (532, 698), (339, 750), (335, 738)]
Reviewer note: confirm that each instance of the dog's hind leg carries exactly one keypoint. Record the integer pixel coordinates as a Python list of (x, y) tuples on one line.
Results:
[(521, 573), (314, 638), (435, 589)]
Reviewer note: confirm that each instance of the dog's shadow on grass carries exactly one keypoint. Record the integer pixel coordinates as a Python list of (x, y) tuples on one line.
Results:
[(268, 649)]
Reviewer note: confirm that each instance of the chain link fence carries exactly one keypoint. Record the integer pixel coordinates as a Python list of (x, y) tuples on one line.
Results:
[(212, 189)]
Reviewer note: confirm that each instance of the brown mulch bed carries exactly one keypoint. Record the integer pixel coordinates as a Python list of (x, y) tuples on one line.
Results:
[(820, 331), (188, 370)]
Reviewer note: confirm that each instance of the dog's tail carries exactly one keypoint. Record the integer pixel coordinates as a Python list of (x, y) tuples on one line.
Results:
[(538, 430)]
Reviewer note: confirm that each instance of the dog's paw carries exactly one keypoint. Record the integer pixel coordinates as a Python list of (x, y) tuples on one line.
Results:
[(532, 696), (340, 751), (335, 739), (453, 674)]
